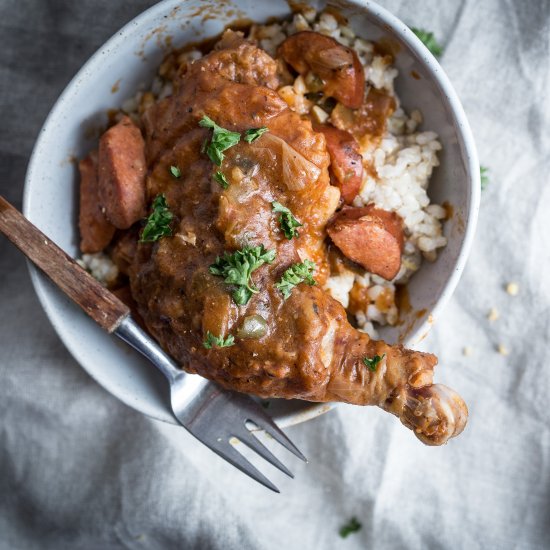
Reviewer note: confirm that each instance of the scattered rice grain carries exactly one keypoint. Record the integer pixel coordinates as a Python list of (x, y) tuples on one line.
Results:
[(503, 350), (100, 266), (512, 289), (493, 314)]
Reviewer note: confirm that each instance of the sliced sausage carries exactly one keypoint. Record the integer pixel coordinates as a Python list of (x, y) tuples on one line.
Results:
[(346, 163), (122, 174), (337, 66), (371, 237), (96, 231)]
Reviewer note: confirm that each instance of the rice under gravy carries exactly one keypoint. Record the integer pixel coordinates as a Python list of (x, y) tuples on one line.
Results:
[(403, 161)]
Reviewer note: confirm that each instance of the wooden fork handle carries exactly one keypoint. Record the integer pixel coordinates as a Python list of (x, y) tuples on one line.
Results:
[(100, 304)]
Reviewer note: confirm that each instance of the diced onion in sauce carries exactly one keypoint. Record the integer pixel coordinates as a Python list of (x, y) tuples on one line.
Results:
[(254, 326), (297, 170)]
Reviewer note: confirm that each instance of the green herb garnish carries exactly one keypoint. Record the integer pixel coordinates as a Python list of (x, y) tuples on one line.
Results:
[(222, 140), (352, 526), (254, 133), (287, 221), (175, 171), (221, 179), (158, 222), (484, 176), (429, 41), (294, 275), (236, 269), (212, 341), (371, 364)]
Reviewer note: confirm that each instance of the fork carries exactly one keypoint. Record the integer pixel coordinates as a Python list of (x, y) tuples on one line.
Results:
[(213, 415)]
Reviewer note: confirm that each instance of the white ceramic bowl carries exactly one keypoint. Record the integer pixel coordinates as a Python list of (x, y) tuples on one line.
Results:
[(128, 60)]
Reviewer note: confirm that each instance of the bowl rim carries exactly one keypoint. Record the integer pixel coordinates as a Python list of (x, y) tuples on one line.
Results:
[(386, 20)]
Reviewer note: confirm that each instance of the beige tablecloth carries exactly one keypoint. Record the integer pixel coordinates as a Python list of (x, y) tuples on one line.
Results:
[(79, 470)]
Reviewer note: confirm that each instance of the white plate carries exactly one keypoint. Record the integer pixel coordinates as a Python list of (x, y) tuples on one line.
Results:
[(128, 60)]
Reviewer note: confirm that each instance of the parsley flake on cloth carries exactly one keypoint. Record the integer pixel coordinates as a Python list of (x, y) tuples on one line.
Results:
[(484, 177), (352, 526), (429, 41)]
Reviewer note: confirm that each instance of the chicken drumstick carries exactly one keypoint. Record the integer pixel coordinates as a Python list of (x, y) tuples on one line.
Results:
[(301, 344)]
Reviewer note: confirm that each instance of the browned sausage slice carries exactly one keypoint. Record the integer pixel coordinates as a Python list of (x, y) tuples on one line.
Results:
[(122, 174), (96, 231), (346, 163), (371, 237), (337, 66)]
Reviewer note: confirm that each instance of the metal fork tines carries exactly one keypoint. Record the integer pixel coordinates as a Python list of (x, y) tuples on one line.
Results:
[(225, 417), (213, 415)]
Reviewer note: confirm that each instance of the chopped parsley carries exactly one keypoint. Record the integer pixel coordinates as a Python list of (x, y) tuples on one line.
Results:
[(254, 133), (287, 221), (483, 172), (371, 364), (236, 269), (175, 171), (222, 140), (294, 275), (429, 41), (158, 222), (212, 341), (352, 526), (221, 179)]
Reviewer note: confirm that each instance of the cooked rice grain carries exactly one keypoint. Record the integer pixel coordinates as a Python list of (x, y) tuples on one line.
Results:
[(100, 266)]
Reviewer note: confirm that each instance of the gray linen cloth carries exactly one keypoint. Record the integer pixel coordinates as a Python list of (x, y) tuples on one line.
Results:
[(79, 470)]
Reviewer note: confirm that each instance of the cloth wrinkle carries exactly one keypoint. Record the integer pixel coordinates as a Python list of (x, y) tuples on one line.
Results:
[(82, 471)]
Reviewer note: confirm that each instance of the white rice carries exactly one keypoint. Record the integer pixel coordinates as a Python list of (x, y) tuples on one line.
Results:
[(403, 160), (100, 266)]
